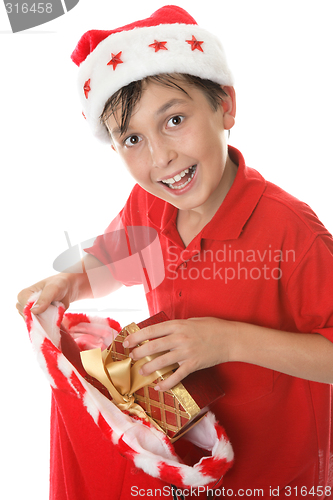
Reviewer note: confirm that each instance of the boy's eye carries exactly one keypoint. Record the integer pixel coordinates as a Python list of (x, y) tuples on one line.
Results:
[(132, 140), (175, 120)]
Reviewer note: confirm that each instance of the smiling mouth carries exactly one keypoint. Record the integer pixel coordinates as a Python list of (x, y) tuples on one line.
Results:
[(181, 180)]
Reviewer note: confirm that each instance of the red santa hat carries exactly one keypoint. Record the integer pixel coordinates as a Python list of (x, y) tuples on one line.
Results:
[(169, 41)]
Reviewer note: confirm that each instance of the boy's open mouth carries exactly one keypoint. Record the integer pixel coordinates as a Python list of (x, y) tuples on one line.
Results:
[(182, 179)]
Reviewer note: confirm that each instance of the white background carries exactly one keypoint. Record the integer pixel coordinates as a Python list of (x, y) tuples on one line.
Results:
[(56, 177)]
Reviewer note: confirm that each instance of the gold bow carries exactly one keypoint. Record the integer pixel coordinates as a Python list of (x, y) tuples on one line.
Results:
[(120, 378)]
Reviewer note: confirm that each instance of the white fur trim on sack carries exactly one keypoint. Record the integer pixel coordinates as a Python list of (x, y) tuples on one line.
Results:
[(149, 448)]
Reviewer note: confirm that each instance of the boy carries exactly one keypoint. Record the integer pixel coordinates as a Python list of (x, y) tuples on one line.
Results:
[(248, 268)]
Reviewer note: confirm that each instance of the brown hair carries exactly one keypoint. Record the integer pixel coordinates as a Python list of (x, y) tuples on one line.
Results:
[(127, 97)]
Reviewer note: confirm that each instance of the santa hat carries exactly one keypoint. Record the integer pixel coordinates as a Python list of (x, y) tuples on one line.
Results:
[(146, 447), (169, 41)]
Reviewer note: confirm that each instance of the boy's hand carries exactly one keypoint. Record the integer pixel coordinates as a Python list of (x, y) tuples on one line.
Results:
[(69, 286), (194, 344), (53, 288)]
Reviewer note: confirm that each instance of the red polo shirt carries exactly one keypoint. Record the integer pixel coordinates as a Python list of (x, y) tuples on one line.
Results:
[(264, 259)]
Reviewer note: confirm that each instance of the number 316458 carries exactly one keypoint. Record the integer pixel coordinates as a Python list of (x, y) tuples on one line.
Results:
[(24, 8)]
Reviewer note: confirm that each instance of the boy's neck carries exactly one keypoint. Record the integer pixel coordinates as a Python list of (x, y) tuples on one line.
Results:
[(191, 222)]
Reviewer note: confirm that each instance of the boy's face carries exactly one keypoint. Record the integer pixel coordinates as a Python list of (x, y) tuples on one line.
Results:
[(175, 146)]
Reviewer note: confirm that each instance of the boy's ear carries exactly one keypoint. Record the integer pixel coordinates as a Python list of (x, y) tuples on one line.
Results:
[(229, 107)]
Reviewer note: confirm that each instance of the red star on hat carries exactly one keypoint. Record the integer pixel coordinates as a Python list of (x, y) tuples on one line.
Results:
[(87, 88), (115, 60), (170, 30), (158, 45), (195, 44)]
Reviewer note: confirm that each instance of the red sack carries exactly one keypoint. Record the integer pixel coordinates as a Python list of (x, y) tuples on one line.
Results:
[(98, 451)]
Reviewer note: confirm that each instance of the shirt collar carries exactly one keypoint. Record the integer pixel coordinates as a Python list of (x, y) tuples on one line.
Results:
[(231, 217), (239, 204)]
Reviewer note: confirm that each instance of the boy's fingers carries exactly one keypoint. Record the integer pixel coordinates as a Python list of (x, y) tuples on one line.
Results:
[(22, 300), (40, 307), (20, 309), (148, 348), (48, 294), (164, 360), (150, 332), (174, 379)]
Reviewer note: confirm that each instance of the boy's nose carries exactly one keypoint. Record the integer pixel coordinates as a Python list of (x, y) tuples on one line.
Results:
[(162, 154)]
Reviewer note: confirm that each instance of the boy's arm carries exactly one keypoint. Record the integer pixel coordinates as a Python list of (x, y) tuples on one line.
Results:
[(203, 342), (305, 355), (87, 279)]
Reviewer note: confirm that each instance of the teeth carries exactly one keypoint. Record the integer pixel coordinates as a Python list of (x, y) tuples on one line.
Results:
[(177, 177), (188, 180)]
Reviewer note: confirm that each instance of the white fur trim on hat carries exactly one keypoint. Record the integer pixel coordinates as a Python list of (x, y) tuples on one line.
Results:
[(131, 55)]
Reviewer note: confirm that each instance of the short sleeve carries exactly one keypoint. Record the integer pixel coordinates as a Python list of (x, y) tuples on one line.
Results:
[(310, 288), (130, 247), (113, 250)]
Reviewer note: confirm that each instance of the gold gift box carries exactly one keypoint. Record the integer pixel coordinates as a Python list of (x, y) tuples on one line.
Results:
[(174, 411)]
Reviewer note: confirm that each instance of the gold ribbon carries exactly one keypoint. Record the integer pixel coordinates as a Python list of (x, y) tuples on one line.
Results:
[(120, 378)]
